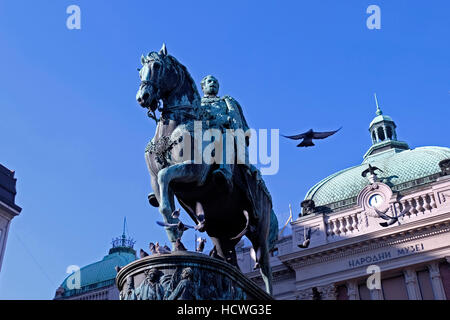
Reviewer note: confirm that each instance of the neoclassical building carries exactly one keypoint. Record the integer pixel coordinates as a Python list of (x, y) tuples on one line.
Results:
[(8, 207), (96, 281), (389, 214)]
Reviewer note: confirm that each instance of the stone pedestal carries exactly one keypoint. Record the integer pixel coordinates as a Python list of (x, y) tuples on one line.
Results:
[(185, 276)]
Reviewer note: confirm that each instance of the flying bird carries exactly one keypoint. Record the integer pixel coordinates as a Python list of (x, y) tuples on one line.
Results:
[(309, 135), (201, 244), (371, 170), (143, 254), (200, 214), (306, 237), (390, 220), (180, 225)]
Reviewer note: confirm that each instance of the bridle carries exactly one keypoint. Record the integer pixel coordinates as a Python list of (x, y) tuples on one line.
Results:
[(155, 83)]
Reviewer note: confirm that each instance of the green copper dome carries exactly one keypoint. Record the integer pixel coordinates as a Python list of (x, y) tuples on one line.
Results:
[(402, 168), (101, 273), (98, 274)]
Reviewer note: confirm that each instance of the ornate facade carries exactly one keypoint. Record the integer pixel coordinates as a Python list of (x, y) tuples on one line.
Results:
[(374, 232), (8, 207)]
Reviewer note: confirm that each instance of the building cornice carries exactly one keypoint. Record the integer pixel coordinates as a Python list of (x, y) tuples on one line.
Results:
[(423, 228)]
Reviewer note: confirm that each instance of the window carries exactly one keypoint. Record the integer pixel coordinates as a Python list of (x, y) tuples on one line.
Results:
[(389, 132), (444, 269), (394, 288), (381, 134), (342, 292), (364, 293), (425, 285)]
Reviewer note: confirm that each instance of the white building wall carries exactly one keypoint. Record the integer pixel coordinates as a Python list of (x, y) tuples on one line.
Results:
[(345, 243)]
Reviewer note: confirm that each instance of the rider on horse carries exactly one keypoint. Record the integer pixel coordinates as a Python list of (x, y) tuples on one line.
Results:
[(225, 113)]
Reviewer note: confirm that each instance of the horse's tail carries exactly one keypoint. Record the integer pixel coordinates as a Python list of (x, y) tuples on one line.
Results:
[(273, 231)]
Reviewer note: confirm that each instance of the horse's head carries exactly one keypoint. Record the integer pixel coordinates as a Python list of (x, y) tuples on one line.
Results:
[(159, 77)]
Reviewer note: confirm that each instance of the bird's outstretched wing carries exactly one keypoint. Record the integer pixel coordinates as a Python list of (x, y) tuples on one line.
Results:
[(325, 134), (308, 235), (296, 137), (383, 215), (365, 172), (172, 225)]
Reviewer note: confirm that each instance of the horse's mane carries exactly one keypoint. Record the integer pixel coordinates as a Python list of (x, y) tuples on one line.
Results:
[(186, 73)]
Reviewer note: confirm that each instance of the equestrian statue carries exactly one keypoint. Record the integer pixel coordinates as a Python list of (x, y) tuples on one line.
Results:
[(225, 199)]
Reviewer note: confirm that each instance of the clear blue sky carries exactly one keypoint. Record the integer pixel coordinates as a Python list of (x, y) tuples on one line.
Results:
[(71, 129)]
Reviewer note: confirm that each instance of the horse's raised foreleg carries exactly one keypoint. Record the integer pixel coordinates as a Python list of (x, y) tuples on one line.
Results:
[(186, 172)]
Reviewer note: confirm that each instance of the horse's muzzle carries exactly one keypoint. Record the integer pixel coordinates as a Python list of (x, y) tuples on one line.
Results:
[(143, 100)]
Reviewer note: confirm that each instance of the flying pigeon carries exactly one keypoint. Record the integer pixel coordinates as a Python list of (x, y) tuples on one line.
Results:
[(371, 170), (308, 137), (179, 245), (254, 258), (143, 254), (307, 239), (200, 213), (390, 220), (201, 244), (180, 225)]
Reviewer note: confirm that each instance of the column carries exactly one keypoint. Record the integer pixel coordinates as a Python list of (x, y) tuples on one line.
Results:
[(376, 134), (412, 285), (436, 281), (352, 290), (376, 294)]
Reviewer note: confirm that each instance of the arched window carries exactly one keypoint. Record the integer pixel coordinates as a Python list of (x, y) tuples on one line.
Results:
[(389, 132), (381, 134)]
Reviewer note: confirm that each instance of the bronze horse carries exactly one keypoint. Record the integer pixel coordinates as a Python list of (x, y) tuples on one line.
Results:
[(246, 209)]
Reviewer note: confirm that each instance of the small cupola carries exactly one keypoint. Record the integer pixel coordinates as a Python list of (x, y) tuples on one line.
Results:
[(383, 134)]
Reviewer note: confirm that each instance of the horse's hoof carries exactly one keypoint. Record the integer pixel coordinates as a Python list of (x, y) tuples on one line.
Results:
[(152, 200)]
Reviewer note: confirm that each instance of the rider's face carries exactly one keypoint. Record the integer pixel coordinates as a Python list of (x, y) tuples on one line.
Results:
[(211, 86)]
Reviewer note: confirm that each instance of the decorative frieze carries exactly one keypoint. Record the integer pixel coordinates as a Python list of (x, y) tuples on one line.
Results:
[(371, 245)]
